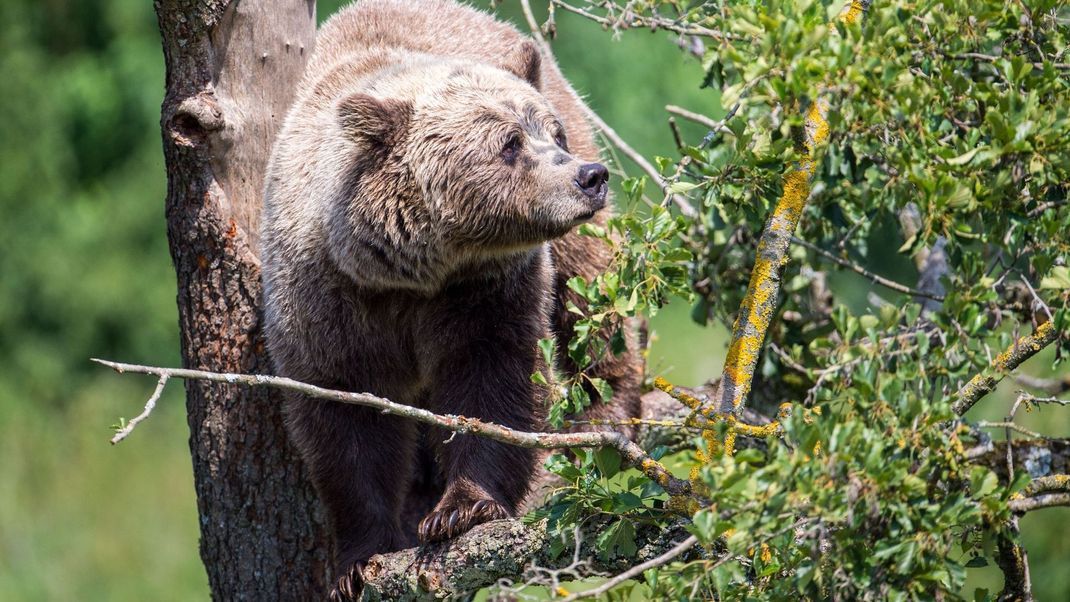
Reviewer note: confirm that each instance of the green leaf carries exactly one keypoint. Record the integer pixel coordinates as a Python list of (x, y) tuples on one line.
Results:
[(964, 158), (1058, 278), (547, 346), (617, 540), (608, 461)]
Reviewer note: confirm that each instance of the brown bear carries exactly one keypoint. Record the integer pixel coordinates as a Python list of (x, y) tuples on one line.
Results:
[(418, 231)]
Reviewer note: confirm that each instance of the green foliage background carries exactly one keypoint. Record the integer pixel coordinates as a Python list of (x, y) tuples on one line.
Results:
[(84, 272)]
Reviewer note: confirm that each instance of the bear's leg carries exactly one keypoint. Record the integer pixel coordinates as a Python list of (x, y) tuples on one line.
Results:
[(361, 464), (485, 479)]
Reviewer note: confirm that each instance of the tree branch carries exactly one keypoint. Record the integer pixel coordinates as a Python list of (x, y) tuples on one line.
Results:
[(631, 453), (653, 22), (1012, 560), (760, 303), (150, 405), (875, 278), (636, 570), (492, 552), (713, 126), (1021, 350)]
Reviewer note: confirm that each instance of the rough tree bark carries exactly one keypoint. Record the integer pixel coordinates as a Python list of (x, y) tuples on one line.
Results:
[(231, 68)]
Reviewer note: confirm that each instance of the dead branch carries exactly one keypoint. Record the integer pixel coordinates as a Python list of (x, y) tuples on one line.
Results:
[(630, 452), (636, 570), (150, 405), (874, 278), (652, 22), (713, 126)]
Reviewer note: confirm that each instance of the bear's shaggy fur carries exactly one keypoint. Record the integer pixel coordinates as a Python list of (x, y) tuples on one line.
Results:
[(429, 156)]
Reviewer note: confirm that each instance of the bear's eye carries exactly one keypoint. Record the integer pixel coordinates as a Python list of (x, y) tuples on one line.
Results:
[(512, 148), (561, 140)]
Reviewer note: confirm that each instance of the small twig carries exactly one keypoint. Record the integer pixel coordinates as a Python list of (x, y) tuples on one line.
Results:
[(875, 278), (635, 571), (1010, 426), (638, 21), (150, 405), (631, 453), (610, 134), (713, 126), (1036, 297), (1051, 386)]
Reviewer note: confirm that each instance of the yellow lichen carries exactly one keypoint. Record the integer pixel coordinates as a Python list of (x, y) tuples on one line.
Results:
[(852, 12)]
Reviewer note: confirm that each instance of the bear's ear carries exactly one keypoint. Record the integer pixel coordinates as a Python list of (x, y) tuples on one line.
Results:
[(525, 62), (379, 121)]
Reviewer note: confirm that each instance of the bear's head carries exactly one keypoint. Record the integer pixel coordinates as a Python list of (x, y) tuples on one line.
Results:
[(468, 156)]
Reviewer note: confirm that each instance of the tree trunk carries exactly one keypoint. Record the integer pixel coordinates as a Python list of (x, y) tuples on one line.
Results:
[(232, 66)]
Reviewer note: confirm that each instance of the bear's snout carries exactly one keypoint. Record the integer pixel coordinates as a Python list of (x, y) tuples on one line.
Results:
[(592, 179)]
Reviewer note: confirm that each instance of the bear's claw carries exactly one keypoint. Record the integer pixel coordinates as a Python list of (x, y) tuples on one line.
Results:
[(349, 586), (452, 520)]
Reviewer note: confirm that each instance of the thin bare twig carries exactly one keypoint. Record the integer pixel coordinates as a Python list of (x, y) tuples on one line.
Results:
[(150, 405), (632, 453), (652, 22), (635, 571), (713, 126), (875, 278)]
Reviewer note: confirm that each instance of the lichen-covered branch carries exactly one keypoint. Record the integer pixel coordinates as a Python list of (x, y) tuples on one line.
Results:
[(630, 452), (1021, 350), (1012, 560), (502, 549), (1036, 457), (759, 304)]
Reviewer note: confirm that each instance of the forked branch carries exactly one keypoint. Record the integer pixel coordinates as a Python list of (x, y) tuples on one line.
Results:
[(629, 451)]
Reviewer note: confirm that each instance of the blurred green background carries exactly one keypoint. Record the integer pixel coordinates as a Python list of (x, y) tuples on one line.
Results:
[(85, 272)]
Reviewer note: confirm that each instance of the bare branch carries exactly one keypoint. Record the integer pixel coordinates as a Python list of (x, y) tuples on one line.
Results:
[(713, 126), (653, 22), (150, 405), (1021, 350), (636, 570), (631, 453), (1051, 386), (1045, 500), (875, 278)]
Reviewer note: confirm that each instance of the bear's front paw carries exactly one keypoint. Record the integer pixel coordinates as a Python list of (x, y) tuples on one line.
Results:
[(349, 584), (450, 520)]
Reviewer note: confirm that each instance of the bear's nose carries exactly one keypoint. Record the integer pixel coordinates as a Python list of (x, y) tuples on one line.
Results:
[(592, 179)]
